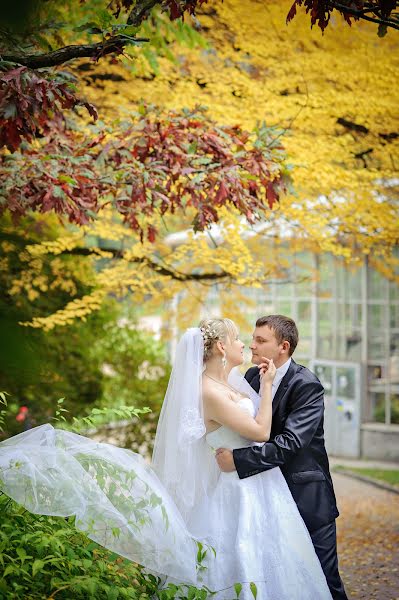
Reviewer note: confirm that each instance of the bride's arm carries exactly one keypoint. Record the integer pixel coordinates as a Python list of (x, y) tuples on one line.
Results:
[(220, 408)]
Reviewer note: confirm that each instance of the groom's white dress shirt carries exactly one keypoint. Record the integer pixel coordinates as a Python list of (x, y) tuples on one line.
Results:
[(280, 372)]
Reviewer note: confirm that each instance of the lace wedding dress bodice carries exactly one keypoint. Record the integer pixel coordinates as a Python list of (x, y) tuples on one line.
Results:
[(224, 437)]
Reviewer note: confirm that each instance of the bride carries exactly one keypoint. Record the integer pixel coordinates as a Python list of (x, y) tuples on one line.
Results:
[(164, 516)]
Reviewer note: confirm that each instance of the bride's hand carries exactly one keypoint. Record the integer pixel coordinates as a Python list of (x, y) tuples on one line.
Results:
[(267, 370)]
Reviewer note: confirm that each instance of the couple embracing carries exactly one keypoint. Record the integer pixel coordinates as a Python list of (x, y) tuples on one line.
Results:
[(240, 466)]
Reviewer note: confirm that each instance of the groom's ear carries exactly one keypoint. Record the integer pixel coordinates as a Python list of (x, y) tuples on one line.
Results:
[(286, 346)]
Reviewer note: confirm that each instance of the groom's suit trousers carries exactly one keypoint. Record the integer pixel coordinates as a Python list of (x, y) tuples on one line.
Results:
[(325, 543)]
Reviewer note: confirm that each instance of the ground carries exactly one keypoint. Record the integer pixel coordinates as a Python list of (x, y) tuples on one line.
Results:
[(368, 539)]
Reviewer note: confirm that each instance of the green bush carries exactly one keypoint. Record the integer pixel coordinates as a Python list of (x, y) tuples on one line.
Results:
[(46, 557), (136, 366)]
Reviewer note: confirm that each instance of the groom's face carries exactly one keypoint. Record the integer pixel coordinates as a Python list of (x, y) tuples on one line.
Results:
[(264, 343)]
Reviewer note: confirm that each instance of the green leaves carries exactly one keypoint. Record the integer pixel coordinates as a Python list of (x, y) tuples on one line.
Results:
[(89, 27), (37, 566), (253, 589), (3, 400), (3, 397), (44, 556), (98, 416), (238, 589)]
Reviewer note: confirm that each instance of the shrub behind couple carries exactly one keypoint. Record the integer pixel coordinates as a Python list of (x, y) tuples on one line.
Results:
[(247, 511)]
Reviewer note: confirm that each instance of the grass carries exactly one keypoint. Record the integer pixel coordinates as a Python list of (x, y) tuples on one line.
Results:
[(390, 476)]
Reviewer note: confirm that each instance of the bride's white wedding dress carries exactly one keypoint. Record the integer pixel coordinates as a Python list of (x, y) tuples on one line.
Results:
[(258, 533)]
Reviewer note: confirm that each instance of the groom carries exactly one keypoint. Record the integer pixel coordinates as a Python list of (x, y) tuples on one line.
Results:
[(296, 442)]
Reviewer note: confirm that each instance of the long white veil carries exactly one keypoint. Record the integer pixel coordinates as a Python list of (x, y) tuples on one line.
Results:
[(182, 459), (117, 498)]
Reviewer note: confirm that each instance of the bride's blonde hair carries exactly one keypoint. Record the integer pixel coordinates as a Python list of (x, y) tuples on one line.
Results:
[(214, 330)]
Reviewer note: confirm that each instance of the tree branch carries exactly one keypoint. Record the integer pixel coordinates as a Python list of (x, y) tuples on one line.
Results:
[(141, 11), (361, 15), (112, 45), (165, 271)]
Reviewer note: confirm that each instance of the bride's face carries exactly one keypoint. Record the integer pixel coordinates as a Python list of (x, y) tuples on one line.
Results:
[(234, 351)]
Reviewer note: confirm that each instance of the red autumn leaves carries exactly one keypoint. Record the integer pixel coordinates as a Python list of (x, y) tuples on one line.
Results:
[(160, 163), (29, 103), (321, 10)]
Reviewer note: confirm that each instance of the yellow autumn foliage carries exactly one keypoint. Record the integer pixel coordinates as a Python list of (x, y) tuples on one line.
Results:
[(257, 68), (332, 98)]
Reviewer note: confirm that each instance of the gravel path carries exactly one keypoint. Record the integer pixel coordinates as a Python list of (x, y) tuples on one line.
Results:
[(368, 539)]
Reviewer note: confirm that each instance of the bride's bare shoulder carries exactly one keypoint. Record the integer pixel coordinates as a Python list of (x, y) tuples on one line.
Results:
[(212, 392)]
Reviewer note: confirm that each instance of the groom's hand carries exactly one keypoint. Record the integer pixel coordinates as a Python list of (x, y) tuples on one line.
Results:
[(225, 460)]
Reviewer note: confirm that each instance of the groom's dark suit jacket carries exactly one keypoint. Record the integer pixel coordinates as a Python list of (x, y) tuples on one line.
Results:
[(296, 445)]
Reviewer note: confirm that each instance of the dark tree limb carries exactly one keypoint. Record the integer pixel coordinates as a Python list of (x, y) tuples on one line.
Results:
[(112, 45), (361, 14), (141, 11), (351, 125), (155, 266)]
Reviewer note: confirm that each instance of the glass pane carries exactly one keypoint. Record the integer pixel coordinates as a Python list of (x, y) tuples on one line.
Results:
[(395, 408), (325, 333), (376, 347), (394, 291), (304, 346), (342, 316), (394, 369), (346, 382), (394, 358), (304, 274), (376, 316), (284, 307), (340, 280), (325, 322), (284, 290), (394, 315), (261, 301), (305, 318), (377, 285), (375, 374), (326, 276), (394, 344), (304, 288), (355, 315), (353, 344), (324, 330), (324, 373), (304, 311), (354, 282), (304, 361), (378, 403)]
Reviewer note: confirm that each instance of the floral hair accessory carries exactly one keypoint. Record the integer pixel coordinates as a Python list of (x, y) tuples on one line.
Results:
[(209, 335)]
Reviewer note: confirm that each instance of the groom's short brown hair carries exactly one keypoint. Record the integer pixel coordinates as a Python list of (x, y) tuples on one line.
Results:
[(284, 329)]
